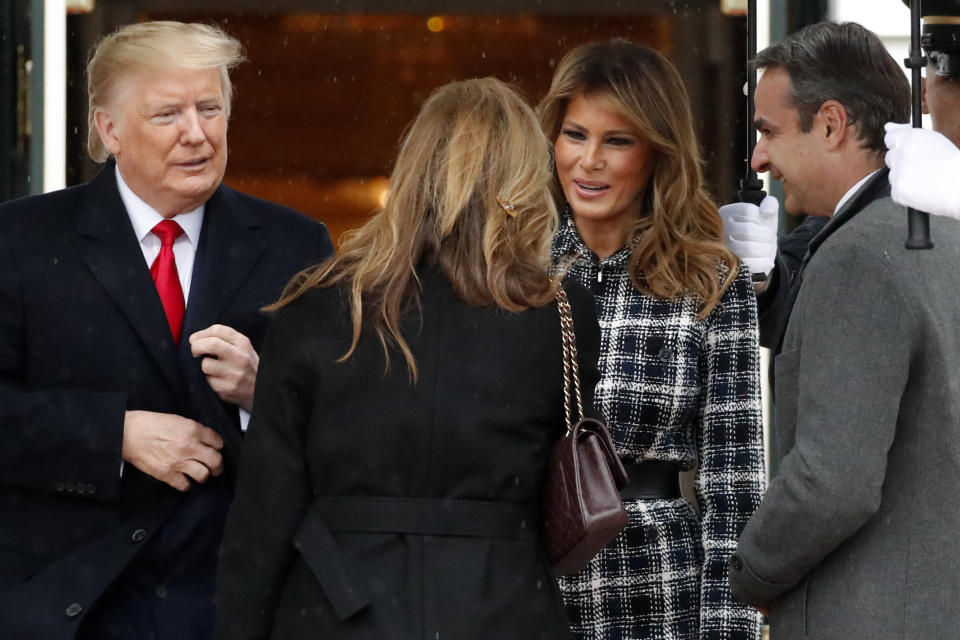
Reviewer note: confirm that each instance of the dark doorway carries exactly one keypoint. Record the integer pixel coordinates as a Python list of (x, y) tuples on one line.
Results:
[(14, 98)]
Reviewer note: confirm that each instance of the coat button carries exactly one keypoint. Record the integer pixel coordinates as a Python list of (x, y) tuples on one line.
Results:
[(74, 610), (60, 487), (90, 489), (666, 354), (736, 563), (139, 535), (161, 591), (71, 487)]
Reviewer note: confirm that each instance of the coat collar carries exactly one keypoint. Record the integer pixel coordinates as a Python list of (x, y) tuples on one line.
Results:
[(568, 242), (878, 186), (231, 244)]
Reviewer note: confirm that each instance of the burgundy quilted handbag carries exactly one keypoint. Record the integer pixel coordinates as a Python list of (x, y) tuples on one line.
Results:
[(583, 510)]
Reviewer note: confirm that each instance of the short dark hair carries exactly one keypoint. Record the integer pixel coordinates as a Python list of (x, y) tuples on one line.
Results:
[(846, 62)]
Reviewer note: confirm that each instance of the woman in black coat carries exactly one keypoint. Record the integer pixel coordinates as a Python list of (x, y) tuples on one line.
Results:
[(378, 500)]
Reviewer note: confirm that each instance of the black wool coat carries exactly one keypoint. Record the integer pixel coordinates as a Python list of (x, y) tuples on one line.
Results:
[(371, 507), (83, 338)]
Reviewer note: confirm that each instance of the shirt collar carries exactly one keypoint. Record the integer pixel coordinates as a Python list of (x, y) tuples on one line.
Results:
[(144, 218), (853, 190)]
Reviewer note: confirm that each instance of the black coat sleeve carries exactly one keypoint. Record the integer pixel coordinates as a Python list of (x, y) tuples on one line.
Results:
[(273, 487)]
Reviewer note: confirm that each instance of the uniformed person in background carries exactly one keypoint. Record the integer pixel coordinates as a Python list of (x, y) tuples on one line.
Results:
[(925, 165)]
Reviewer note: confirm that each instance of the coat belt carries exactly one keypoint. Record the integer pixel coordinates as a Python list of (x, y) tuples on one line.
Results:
[(430, 517)]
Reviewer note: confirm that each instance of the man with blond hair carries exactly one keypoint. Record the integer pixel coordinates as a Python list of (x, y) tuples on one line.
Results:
[(129, 328)]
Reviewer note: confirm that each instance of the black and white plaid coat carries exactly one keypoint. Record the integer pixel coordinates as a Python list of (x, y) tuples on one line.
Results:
[(672, 388)]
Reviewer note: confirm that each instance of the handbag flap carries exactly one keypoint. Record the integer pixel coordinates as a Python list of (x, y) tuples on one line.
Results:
[(591, 426)]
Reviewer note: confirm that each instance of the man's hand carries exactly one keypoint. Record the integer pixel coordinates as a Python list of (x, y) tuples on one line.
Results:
[(924, 170), (229, 362), (171, 448), (751, 232)]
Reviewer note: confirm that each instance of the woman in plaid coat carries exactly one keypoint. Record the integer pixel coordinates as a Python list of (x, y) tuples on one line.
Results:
[(679, 365)]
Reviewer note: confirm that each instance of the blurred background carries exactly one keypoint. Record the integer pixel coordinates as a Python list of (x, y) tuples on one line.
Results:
[(330, 84)]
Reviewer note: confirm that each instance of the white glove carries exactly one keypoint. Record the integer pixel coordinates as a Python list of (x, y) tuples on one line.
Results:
[(751, 232), (924, 170)]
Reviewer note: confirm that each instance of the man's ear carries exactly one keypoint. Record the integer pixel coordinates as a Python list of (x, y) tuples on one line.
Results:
[(106, 125), (833, 123)]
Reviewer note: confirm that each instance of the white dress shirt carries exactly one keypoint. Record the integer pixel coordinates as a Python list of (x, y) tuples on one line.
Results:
[(144, 218), (852, 190)]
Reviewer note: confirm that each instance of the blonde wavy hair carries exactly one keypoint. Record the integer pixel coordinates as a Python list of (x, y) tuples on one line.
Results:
[(678, 249), (146, 46), (470, 192)]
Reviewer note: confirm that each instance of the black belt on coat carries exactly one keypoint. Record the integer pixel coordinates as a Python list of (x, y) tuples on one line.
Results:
[(466, 518), (652, 479)]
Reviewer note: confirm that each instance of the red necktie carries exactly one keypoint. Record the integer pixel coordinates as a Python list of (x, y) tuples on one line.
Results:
[(164, 272)]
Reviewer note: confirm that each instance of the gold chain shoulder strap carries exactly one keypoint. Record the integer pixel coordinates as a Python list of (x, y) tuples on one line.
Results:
[(571, 371)]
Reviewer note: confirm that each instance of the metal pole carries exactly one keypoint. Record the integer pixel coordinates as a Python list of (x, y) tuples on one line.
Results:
[(918, 222), (751, 187)]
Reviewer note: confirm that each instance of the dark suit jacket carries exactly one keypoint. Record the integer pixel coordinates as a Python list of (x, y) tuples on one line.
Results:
[(83, 338), (856, 537), (398, 510)]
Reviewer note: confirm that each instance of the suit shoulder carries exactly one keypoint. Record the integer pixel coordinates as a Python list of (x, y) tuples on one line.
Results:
[(880, 216), (580, 297), (867, 246), (314, 302), (878, 227), (41, 213), (273, 212), (296, 233)]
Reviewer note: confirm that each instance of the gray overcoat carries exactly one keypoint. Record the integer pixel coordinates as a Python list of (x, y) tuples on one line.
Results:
[(857, 535)]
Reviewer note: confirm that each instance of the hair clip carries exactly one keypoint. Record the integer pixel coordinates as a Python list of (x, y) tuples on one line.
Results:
[(506, 206)]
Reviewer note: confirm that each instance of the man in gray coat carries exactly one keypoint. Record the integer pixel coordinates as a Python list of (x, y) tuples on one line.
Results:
[(856, 536)]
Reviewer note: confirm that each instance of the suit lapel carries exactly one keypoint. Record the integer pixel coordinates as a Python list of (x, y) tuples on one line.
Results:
[(114, 257), (230, 245)]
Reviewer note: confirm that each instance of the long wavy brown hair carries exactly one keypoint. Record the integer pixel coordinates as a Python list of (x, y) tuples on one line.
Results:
[(678, 249), (470, 192)]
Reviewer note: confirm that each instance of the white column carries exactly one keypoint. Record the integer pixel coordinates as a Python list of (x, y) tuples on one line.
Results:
[(763, 41), (54, 95)]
